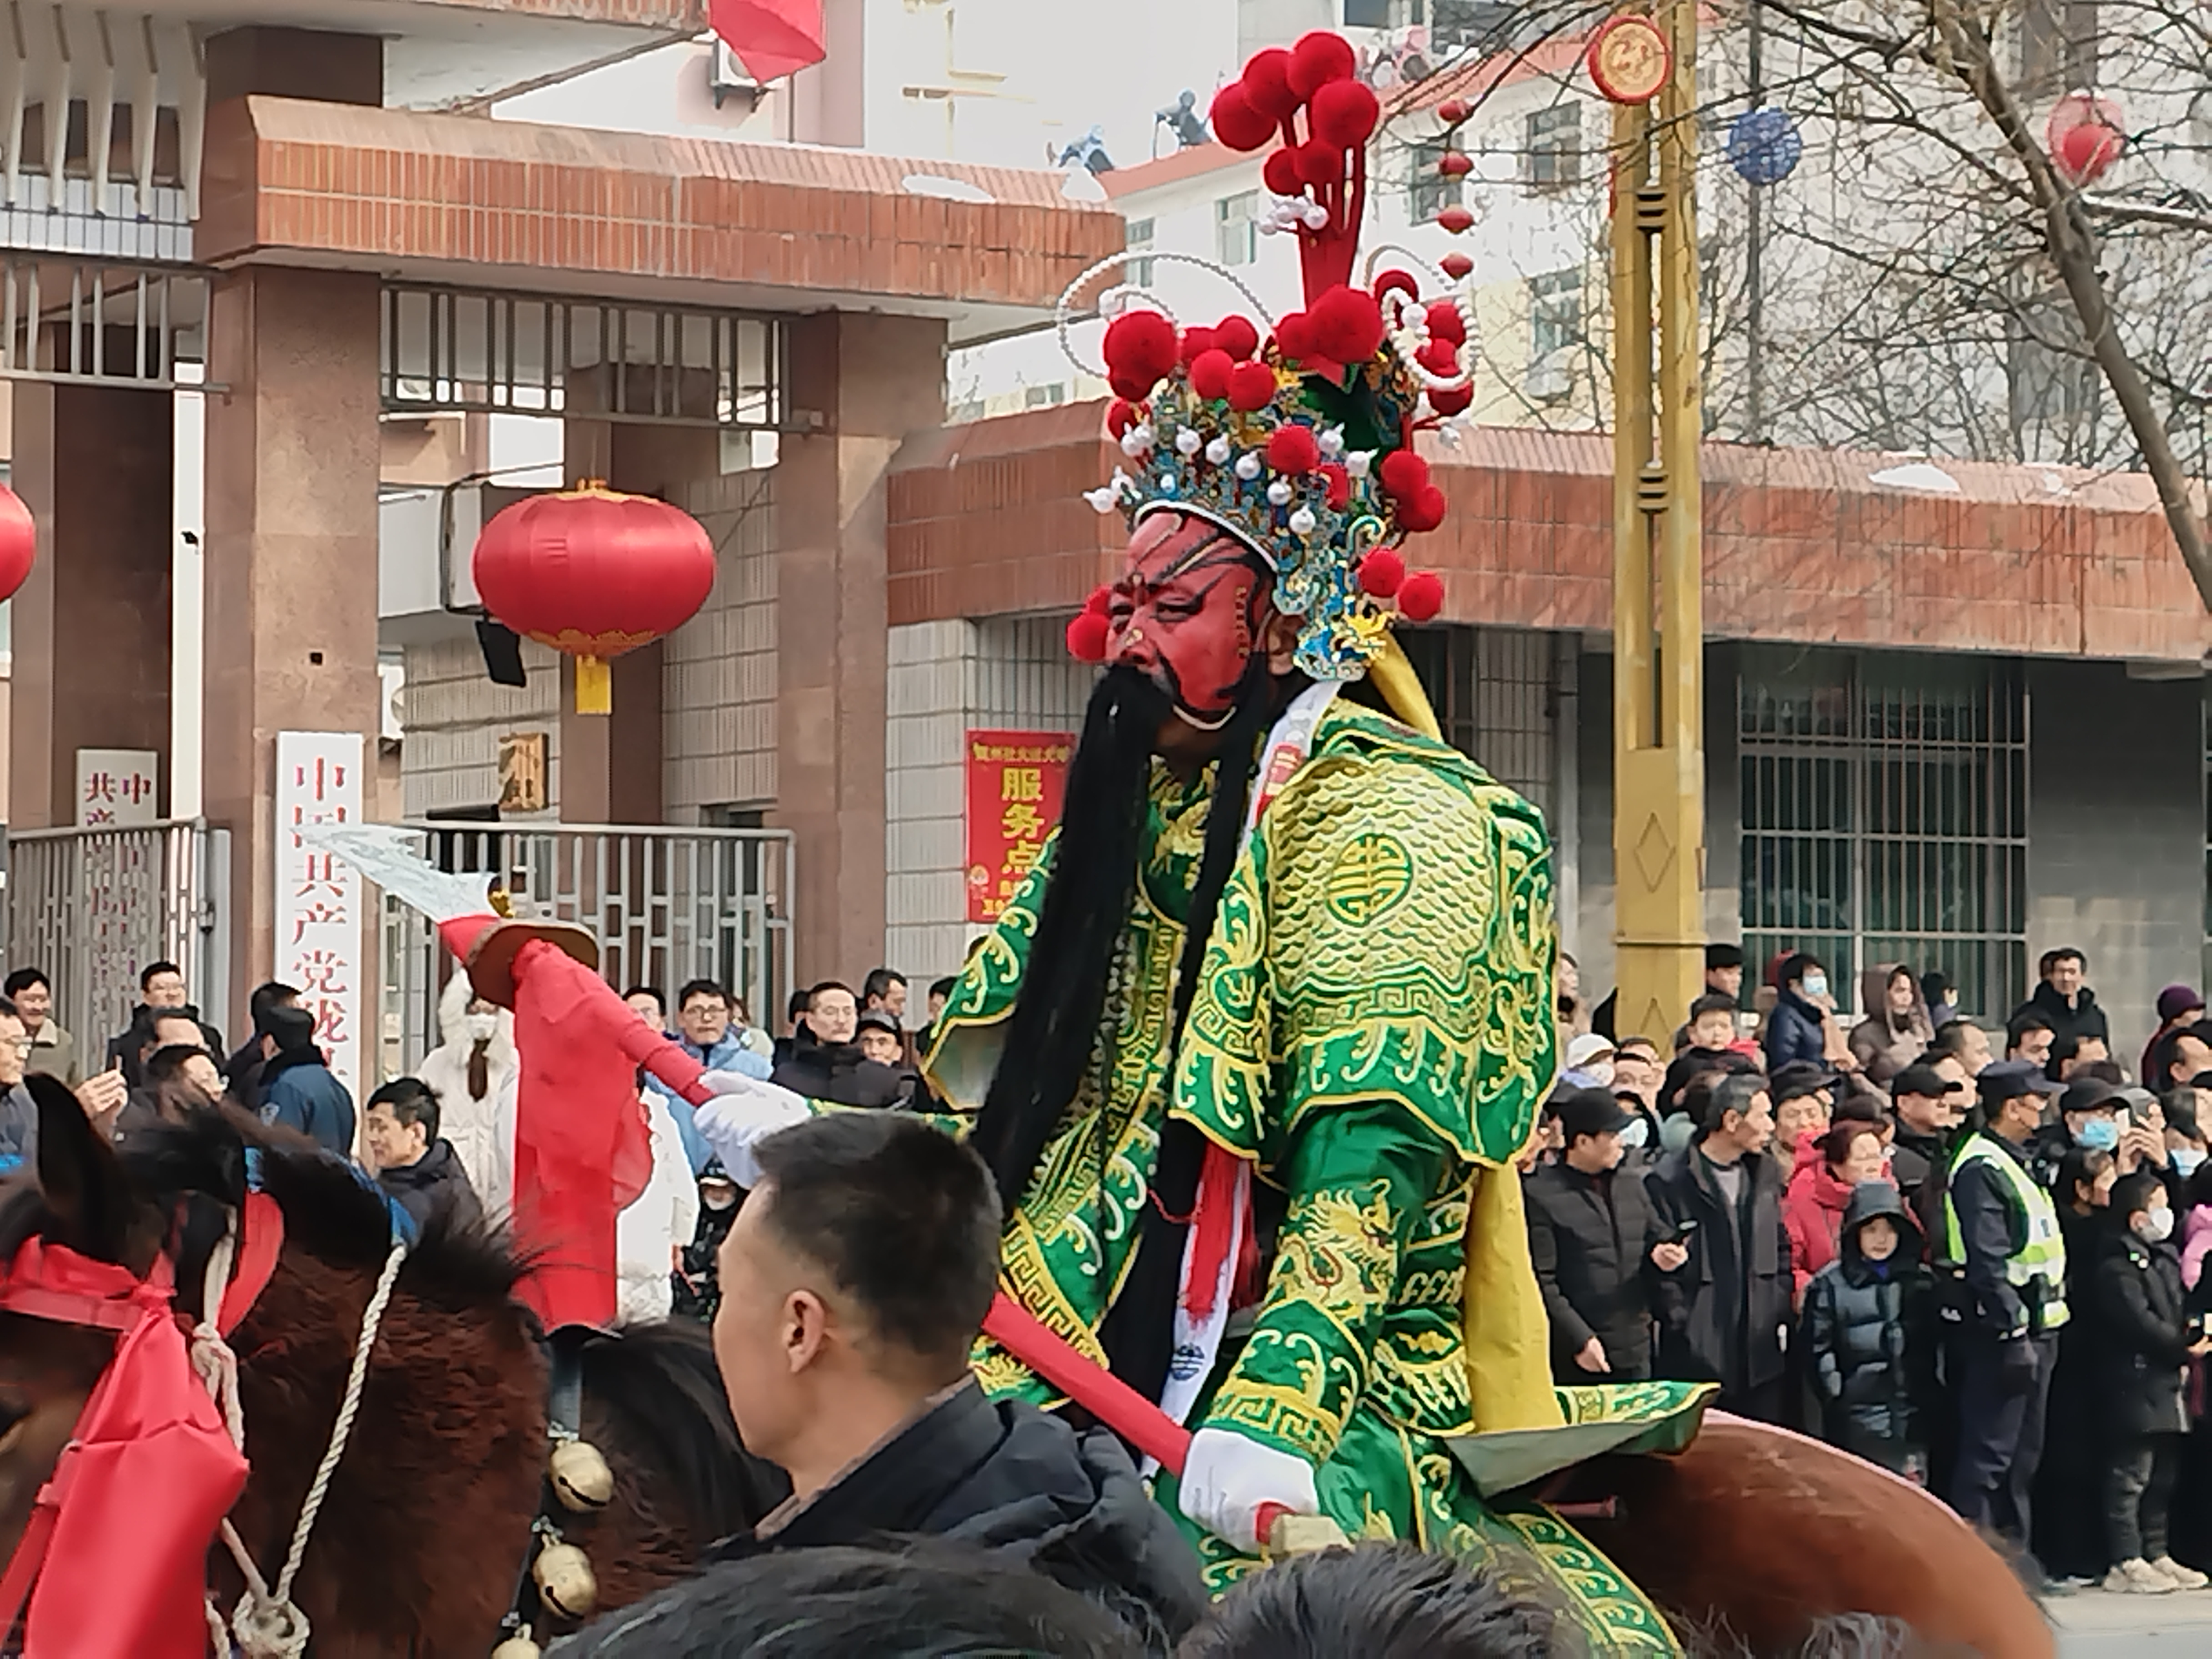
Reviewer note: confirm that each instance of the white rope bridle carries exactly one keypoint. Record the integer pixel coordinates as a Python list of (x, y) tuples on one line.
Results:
[(266, 1624)]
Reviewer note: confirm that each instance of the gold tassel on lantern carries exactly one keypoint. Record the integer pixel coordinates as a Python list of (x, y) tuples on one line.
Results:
[(595, 686)]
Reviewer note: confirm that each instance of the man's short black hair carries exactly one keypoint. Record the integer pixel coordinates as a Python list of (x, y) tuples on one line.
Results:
[(841, 1600), (167, 1064), (270, 993), (22, 979), (146, 973), (701, 987), (1949, 1042), (1379, 1598), (1713, 1002), (149, 1030), (1723, 956), (903, 1217), (2180, 1106), (652, 991), (878, 983), (411, 1100), (291, 1029), (795, 1005), (814, 991), (943, 988), (2021, 1024), (1797, 967), (2064, 953), (1733, 1093)]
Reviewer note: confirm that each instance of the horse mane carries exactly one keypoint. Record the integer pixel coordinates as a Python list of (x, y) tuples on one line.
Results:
[(658, 1384)]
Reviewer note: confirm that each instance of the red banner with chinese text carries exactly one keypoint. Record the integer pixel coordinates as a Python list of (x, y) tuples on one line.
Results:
[(1015, 780)]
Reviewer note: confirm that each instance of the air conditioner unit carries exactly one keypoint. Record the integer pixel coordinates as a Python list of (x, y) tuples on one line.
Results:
[(728, 76), (1549, 378)]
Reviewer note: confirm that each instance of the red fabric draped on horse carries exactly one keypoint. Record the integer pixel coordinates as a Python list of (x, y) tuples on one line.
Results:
[(428, 1513)]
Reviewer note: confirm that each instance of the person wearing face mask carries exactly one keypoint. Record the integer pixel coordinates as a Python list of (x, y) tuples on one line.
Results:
[(1597, 1241), (2088, 1117), (1589, 1063), (1796, 1030), (474, 1073), (2146, 1342)]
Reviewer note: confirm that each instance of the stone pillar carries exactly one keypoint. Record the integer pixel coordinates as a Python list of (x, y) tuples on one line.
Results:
[(292, 465), (861, 383), (95, 465)]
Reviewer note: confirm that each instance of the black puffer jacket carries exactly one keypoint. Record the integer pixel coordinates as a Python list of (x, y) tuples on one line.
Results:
[(1005, 1477), (1868, 1334), (2136, 1298)]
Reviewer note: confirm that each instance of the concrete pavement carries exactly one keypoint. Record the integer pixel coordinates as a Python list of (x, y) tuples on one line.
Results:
[(2094, 1625)]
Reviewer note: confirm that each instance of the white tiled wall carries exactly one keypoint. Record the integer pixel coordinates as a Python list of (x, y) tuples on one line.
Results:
[(945, 678), (455, 716), (718, 676)]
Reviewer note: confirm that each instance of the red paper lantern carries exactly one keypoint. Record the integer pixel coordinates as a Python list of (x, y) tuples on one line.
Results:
[(2084, 137), (19, 542), (594, 573)]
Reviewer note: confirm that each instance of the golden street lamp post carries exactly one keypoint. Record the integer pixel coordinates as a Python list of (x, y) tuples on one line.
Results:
[(1647, 66)]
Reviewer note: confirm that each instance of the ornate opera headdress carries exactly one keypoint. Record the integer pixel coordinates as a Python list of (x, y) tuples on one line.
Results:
[(1301, 444)]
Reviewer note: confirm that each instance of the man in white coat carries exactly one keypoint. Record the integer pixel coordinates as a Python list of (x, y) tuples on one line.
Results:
[(474, 1073)]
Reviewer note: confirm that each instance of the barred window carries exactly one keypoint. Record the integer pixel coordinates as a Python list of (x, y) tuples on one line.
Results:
[(1552, 157), (1555, 312), (1138, 235), (1884, 813), (1236, 229)]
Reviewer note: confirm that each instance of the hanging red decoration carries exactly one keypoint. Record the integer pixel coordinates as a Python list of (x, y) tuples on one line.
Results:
[(594, 573), (2084, 138), (19, 542)]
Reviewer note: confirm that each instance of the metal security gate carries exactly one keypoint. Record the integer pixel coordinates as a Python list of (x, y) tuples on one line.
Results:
[(667, 906), (91, 907), (1884, 813)]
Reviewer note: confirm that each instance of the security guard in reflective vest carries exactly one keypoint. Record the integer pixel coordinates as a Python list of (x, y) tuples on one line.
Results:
[(2001, 1237)]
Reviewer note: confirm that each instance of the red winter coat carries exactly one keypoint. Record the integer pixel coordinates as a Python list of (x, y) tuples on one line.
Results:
[(1812, 1214)]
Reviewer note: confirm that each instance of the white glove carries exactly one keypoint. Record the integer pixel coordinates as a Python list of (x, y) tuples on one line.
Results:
[(1226, 1478), (744, 1111)]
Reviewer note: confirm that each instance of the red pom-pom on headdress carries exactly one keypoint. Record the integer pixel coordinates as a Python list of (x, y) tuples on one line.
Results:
[(1438, 356), (1196, 340), (1347, 326), (1450, 400), (1343, 113), (1381, 572), (1317, 59), (1210, 372), (1280, 172), (1101, 600), (1120, 416), (1292, 449), (1251, 386), (1266, 83), (1423, 510), (1339, 484), (1237, 337), (1404, 474), (1087, 637), (1141, 345), (1401, 280), (1446, 323), (1236, 123), (1421, 597)]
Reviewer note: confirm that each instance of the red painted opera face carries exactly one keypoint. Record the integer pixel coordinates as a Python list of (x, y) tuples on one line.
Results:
[(1188, 610)]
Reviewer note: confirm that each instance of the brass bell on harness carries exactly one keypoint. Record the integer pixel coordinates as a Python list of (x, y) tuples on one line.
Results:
[(518, 1647), (565, 1581), (580, 1477)]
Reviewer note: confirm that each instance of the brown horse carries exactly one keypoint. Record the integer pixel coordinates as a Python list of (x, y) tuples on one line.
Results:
[(1768, 1536), (419, 1545)]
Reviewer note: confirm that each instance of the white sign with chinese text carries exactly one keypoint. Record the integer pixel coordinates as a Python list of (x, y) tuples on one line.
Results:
[(117, 787), (318, 903)]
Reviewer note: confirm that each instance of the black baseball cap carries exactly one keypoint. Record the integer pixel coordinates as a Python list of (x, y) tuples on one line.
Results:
[(1797, 1079), (1588, 1112), (1918, 1079), (2089, 1095), (876, 1019), (2008, 1080)]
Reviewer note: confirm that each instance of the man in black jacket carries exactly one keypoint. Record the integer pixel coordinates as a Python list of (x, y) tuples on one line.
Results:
[(1725, 1315), (2065, 1000), (1929, 1105), (413, 1162), (853, 1282), (1597, 1240)]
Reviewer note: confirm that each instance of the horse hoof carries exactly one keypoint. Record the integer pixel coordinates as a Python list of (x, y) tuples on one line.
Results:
[(565, 1581), (580, 1477)]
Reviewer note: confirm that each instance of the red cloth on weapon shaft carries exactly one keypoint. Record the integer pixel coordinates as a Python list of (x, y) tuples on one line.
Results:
[(581, 1149)]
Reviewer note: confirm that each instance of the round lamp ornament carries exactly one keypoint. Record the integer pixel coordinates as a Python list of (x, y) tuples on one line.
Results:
[(592, 573), (19, 542), (1629, 59), (1763, 145), (2084, 138)]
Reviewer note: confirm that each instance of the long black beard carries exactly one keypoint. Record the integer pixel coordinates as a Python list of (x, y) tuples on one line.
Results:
[(1056, 1024)]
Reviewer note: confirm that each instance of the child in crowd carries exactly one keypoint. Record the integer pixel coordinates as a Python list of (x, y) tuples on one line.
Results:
[(1869, 1337)]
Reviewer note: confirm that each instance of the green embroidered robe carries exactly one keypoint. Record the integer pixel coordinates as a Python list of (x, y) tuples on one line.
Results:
[(1374, 1026)]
